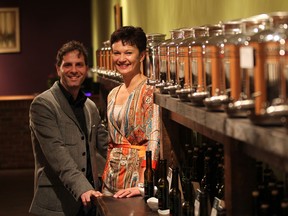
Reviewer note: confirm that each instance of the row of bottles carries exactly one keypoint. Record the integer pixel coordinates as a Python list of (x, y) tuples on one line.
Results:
[(236, 66), (197, 187), (270, 196)]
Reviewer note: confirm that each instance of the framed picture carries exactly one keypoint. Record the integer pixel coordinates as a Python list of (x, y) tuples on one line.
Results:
[(118, 16), (9, 30)]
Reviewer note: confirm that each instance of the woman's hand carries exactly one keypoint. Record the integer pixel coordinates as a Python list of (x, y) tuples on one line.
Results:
[(127, 192)]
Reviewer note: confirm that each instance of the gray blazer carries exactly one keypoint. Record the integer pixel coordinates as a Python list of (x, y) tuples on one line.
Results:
[(59, 148)]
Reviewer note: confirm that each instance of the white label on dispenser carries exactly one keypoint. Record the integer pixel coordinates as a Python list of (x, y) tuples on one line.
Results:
[(247, 57)]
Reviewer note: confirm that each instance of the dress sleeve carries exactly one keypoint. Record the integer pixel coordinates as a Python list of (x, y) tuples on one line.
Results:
[(152, 124)]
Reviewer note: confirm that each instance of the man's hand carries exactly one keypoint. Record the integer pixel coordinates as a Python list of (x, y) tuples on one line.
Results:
[(86, 197)]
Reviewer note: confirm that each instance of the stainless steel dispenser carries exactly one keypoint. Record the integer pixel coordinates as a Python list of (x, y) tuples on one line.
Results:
[(241, 76), (196, 65), (270, 72), (213, 57), (101, 60), (151, 65), (164, 64), (172, 71), (187, 79)]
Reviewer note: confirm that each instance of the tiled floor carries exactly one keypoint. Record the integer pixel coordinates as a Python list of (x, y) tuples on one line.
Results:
[(16, 192)]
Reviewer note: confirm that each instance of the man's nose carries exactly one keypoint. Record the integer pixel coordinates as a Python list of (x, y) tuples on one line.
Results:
[(74, 68)]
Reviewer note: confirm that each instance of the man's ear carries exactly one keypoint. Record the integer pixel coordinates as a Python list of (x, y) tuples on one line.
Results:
[(58, 70)]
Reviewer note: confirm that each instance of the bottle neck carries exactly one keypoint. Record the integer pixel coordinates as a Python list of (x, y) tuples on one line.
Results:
[(163, 169), (148, 160), (188, 195), (174, 183)]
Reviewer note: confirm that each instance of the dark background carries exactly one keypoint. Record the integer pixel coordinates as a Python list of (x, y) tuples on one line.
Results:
[(44, 27)]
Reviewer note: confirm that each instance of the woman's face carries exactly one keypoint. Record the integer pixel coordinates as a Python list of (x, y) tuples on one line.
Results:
[(127, 58)]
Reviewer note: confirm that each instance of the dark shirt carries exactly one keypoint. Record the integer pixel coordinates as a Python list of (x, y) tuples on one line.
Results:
[(77, 107)]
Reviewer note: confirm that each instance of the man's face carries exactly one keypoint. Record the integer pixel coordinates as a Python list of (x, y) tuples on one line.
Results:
[(72, 71)]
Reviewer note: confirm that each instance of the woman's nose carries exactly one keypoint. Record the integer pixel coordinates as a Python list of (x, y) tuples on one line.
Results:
[(122, 57)]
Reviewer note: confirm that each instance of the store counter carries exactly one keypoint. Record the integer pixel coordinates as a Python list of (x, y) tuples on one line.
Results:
[(134, 206)]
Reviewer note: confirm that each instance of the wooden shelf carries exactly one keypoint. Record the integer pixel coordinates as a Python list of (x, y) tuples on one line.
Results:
[(107, 83), (257, 141)]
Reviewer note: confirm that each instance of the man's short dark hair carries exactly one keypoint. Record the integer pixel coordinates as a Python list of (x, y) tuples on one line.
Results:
[(71, 46)]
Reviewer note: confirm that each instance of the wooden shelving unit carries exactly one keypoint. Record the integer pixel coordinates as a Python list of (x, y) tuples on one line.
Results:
[(243, 144)]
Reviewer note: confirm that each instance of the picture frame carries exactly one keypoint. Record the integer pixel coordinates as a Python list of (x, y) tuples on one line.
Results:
[(9, 30), (118, 16)]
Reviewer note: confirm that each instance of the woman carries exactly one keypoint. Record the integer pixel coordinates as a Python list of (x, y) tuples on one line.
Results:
[(133, 118)]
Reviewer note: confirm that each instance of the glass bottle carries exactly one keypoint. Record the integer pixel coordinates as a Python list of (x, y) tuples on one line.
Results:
[(163, 186), (148, 177), (175, 194), (204, 209), (195, 169), (265, 209), (188, 204), (205, 184), (284, 207), (256, 201), (220, 182)]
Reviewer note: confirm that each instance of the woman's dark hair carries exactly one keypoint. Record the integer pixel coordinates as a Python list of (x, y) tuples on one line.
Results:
[(130, 35), (69, 47)]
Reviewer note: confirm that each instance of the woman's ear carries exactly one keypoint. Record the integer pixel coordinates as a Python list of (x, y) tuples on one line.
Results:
[(142, 56)]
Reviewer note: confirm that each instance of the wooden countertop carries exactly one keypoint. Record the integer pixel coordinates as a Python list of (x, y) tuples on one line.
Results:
[(134, 206)]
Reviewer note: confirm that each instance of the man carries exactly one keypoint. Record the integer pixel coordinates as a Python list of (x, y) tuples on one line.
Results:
[(66, 129)]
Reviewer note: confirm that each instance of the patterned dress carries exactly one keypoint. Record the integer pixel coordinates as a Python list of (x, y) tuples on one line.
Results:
[(138, 131)]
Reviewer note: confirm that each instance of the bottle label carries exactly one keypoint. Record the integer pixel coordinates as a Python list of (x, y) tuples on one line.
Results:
[(169, 177), (196, 186), (196, 207), (197, 204), (247, 57), (148, 190), (213, 212), (217, 205), (163, 197)]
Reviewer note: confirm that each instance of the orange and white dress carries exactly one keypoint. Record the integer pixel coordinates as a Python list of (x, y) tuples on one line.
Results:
[(133, 128)]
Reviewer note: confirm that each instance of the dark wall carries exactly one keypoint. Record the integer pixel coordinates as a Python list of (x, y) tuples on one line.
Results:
[(45, 26)]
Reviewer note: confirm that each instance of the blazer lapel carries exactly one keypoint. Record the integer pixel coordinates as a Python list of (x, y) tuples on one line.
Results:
[(62, 101)]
